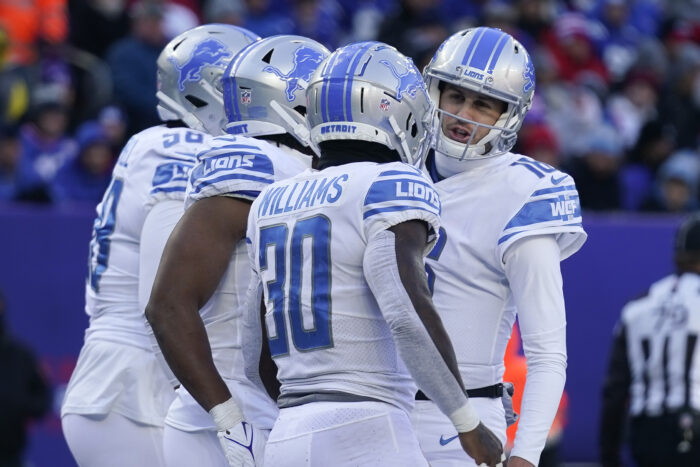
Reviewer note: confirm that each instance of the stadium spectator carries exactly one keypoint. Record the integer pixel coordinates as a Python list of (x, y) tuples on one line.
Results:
[(24, 394), (95, 26), (133, 63), (416, 28), (676, 187), (85, 176), (596, 168), (18, 181), (31, 25), (14, 88), (45, 142), (650, 372)]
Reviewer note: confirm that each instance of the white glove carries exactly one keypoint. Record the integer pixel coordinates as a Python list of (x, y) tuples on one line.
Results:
[(244, 446)]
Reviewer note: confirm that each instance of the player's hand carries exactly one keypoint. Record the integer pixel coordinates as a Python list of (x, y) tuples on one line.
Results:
[(244, 446), (483, 446), (519, 462)]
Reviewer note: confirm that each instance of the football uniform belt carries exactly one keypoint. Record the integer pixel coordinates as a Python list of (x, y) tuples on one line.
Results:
[(494, 391)]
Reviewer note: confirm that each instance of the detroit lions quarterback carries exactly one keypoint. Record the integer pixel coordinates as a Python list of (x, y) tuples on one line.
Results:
[(119, 393), (338, 256), (507, 222), (205, 260)]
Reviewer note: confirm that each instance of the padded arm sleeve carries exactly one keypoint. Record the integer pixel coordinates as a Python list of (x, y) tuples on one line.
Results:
[(412, 340), (532, 268), (159, 223)]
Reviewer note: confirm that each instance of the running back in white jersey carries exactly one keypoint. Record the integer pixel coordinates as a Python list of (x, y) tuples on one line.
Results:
[(308, 235), (153, 166), (237, 167), (466, 269)]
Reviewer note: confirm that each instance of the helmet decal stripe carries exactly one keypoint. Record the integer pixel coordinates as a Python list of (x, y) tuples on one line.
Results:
[(231, 87), (470, 49), (484, 48), (351, 74), (336, 85), (324, 90), (499, 48)]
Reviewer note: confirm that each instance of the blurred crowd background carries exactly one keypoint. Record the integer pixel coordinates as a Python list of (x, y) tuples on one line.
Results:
[(617, 102)]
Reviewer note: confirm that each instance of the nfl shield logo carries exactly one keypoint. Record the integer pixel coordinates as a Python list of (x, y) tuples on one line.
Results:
[(246, 96), (384, 104)]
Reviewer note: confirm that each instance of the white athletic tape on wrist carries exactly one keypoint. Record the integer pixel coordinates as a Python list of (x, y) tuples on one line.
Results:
[(226, 415), (465, 418)]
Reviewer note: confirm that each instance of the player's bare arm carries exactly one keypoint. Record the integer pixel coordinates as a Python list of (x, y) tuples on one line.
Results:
[(194, 260), (411, 240)]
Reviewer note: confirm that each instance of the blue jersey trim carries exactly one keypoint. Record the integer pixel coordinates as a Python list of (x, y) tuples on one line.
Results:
[(168, 190), (372, 212), (235, 176), (563, 208), (553, 190), (506, 237), (400, 172)]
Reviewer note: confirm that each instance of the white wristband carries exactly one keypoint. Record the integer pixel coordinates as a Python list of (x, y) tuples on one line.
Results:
[(226, 415), (465, 418)]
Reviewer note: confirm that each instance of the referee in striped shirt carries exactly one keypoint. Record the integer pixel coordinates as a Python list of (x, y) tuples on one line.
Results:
[(653, 378)]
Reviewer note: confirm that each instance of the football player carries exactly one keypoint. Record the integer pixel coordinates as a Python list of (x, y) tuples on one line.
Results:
[(507, 222), (205, 260), (338, 255), (118, 395)]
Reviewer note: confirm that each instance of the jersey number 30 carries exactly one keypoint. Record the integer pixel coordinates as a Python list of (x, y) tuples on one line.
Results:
[(314, 232)]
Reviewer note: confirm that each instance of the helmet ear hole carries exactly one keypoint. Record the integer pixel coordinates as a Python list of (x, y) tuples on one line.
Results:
[(362, 100), (301, 109), (195, 101), (414, 130)]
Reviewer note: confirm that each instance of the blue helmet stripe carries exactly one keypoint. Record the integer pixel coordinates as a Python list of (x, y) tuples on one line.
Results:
[(484, 48), (351, 75), (499, 48), (324, 90), (470, 49), (230, 86), (337, 84)]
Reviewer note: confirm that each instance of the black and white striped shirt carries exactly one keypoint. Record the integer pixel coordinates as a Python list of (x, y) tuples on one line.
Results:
[(654, 369)]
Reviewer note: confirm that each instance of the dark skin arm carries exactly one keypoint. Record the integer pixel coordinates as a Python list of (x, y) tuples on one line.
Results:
[(410, 239), (193, 263), (267, 366)]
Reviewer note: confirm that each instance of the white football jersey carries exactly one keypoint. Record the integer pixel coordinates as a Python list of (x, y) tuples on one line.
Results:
[(153, 166), (237, 167), (308, 235), (484, 211)]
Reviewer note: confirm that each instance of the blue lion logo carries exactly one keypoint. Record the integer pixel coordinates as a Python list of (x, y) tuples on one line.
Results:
[(306, 61), (208, 53), (410, 82), (529, 76)]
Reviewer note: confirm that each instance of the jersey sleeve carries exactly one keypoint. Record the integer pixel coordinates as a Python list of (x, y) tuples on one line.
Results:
[(553, 207), (400, 193), (233, 169)]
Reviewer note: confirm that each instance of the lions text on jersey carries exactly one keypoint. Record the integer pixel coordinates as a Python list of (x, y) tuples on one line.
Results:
[(308, 235)]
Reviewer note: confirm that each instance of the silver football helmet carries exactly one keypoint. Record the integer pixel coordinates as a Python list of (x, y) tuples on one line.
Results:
[(491, 62), (189, 74), (369, 91), (264, 86)]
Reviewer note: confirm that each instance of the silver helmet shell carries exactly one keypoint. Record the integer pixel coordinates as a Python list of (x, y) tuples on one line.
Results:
[(264, 86), (189, 74), (369, 91), (491, 62)]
